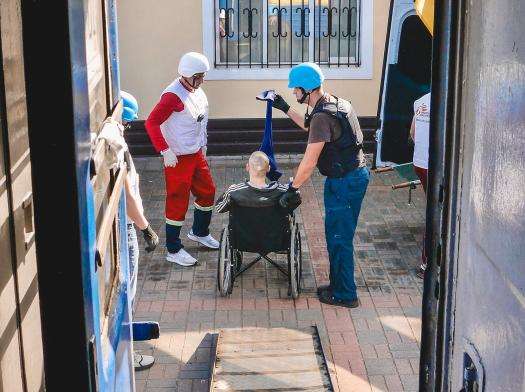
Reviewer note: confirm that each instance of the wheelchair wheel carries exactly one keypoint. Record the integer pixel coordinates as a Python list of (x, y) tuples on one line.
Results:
[(295, 262), (225, 267)]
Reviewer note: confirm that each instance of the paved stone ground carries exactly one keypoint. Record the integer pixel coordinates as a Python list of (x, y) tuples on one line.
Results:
[(371, 348)]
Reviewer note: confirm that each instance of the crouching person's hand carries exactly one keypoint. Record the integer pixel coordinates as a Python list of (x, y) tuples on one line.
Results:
[(151, 238), (291, 199)]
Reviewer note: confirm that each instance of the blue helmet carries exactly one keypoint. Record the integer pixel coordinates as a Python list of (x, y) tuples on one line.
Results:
[(131, 106), (307, 76)]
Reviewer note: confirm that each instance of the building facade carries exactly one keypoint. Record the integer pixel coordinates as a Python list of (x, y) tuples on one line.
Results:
[(251, 45)]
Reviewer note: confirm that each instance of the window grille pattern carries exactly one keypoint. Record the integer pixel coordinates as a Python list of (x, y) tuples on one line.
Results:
[(283, 33)]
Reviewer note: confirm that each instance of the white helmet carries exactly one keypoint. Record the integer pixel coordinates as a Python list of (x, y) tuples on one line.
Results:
[(193, 63)]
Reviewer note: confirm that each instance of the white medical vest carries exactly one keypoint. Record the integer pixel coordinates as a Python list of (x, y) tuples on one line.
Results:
[(185, 132), (422, 125)]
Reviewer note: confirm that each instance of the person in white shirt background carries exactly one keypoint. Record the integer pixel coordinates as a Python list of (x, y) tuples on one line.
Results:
[(419, 133)]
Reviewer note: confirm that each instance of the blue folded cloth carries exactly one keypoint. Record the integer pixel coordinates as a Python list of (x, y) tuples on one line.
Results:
[(267, 143)]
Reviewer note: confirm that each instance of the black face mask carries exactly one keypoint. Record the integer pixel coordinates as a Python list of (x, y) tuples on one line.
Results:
[(308, 116), (304, 96)]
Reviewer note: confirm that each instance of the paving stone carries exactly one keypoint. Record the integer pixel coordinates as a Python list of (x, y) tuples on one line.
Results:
[(379, 366), (410, 382), (376, 342), (371, 337)]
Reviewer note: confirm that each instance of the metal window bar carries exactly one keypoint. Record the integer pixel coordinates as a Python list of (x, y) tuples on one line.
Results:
[(302, 22), (302, 33), (264, 16), (358, 40), (238, 33)]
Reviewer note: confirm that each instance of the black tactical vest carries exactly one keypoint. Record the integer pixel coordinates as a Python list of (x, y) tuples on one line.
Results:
[(344, 153)]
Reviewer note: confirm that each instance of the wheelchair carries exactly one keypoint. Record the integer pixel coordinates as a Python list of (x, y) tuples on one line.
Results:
[(259, 230)]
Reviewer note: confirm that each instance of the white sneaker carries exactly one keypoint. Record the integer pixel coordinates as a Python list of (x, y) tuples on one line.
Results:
[(181, 258), (142, 362), (207, 241)]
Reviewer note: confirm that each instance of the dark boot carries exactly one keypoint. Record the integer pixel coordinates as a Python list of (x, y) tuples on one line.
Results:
[(326, 297)]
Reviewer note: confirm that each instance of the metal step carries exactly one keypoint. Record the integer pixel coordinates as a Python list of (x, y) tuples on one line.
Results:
[(270, 359)]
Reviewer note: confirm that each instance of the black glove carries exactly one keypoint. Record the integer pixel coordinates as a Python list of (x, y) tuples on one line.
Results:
[(291, 199), (280, 103), (151, 238)]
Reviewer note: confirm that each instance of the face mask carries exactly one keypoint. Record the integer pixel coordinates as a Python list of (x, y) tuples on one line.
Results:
[(304, 96)]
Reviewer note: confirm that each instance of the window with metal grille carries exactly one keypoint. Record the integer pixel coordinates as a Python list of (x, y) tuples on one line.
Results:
[(282, 33)]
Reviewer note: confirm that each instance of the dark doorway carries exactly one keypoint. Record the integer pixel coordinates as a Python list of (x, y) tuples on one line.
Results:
[(406, 81)]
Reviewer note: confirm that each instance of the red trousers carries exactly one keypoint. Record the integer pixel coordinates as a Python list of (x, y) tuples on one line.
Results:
[(422, 174), (191, 174)]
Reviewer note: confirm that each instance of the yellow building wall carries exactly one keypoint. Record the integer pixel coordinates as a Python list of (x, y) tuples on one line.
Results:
[(153, 35)]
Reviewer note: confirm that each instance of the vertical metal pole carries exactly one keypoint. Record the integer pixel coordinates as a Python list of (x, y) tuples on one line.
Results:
[(452, 169), (339, 37), (279, 32), (441, 120), (349, 32), (303, 31), (328, 27), (291, 34), (358, 34), (311, 31), (265, 32), (319, 39), (250, 32), (217, 35), (227, 35), (238, 33)]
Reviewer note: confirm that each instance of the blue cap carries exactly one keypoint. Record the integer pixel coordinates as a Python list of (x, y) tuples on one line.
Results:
[(305, 75), (129, 115)]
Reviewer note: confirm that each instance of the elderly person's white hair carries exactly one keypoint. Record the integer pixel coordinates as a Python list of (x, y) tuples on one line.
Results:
[(259, 163)]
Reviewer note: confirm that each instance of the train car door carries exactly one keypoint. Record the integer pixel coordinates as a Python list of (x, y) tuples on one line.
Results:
[(484, 326), (21, 355), (406, 77), (81, 217)]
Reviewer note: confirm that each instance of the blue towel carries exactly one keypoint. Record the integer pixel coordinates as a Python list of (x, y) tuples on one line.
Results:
[(267, 143)]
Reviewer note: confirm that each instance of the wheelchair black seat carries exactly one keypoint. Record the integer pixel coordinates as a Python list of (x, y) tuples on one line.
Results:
[(260, 229)]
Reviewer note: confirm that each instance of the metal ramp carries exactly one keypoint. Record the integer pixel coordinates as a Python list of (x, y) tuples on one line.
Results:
[(274, 359)]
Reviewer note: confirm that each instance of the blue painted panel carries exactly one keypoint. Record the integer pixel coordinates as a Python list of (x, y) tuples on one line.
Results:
[(114, 347)]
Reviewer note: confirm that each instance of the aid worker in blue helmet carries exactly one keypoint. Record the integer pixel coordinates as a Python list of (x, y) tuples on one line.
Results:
[(335, 147), (136, 217)]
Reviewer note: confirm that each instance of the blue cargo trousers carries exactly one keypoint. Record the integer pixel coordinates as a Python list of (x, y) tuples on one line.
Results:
[(342, 200)]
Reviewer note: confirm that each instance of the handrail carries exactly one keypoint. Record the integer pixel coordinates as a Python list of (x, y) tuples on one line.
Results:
[(104, 232), (407, 184)]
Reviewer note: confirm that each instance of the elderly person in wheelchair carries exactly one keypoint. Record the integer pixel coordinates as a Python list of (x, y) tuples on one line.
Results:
[(261, 221)]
